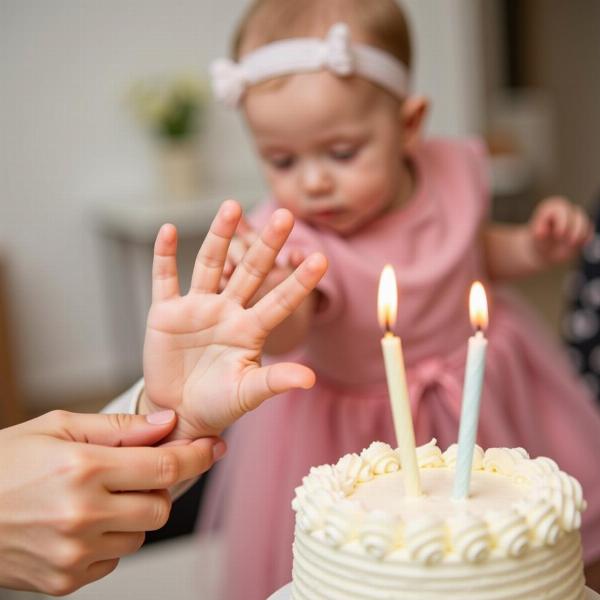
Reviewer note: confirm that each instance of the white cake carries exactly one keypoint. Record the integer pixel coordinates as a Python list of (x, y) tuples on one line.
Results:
[(515, 538)]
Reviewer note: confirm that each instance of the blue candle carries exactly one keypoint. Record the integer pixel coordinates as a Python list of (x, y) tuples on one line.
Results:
[(472, 388)]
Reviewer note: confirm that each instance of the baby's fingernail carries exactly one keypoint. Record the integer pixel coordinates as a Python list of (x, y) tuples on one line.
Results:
[(315, 262), (229, 210), (160, 418), (219, 450)]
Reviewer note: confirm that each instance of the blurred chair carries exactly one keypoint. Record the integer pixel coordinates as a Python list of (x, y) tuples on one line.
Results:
[(11, 409)]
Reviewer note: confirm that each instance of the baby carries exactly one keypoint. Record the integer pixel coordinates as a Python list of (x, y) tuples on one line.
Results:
[(323, 86)]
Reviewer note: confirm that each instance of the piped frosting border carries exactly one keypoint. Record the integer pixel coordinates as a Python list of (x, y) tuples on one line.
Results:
[(324, 508)]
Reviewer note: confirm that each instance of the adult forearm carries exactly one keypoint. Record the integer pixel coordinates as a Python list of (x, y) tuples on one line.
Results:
[(510, 252)]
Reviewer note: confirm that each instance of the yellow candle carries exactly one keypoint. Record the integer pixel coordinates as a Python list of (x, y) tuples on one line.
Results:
[(391, 345)]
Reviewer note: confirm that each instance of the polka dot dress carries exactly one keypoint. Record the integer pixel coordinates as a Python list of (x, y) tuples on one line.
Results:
[(581, 324)]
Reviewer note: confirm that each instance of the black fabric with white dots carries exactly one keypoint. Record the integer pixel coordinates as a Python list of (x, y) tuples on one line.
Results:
[(581, 324)]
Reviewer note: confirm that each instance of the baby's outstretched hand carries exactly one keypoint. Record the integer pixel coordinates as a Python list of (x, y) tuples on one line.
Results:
[(202, 350), (558, 229)]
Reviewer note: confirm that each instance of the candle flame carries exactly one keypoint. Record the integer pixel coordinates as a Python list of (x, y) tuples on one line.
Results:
[(478, 308), (387, 298)]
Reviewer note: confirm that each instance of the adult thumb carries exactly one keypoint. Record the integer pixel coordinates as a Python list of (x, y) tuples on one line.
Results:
[(116, 429)]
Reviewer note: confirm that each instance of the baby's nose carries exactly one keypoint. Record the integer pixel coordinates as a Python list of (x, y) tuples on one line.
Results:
[(316, 180)]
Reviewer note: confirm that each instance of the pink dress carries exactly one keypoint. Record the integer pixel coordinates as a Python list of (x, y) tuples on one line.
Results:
[(531, 396)]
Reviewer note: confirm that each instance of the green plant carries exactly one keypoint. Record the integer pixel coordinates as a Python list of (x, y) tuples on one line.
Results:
[(171, 108)]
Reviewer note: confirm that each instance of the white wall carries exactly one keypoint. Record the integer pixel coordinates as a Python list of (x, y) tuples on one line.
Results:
[(66, 142)]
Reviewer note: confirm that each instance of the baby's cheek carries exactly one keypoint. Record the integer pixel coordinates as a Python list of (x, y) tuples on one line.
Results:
[(288, 199)]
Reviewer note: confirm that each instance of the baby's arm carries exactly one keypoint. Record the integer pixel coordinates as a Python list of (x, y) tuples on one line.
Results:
[(554, 235)]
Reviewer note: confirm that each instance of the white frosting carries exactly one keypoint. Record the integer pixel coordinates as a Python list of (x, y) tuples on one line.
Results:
[(470, 537), (378, 533), (509, 532), (425, 539), (451, 453), (429, 455), (381, 458), (354, 521)]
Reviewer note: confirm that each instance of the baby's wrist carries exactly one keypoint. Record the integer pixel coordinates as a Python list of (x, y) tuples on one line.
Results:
[(534, 258), (145, 406)]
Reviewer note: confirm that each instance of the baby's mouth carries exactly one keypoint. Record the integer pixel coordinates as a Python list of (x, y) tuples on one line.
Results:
[(328, 213)]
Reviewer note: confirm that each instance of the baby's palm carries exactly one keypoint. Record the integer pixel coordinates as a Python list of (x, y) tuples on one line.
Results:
[(202, 350)]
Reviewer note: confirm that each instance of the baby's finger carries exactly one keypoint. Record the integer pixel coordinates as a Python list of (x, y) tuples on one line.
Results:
[(580, 229), (156, 468), (265, 382), (295, 258), (237, 249), (165, 281), (284, 299), (562, 217), (213, 252), (227, 269), (246, 231), (260, 257)]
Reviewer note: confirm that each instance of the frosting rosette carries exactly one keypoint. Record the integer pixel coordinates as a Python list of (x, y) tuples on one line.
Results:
[(381, 458), (450, 455)]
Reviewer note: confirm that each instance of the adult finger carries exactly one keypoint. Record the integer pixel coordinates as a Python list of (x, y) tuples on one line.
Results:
[(107, 429), (131, 512), (260, 257), (100, 569), (68, 581), (213, 252), (265, 382), (157, 468), (165, 280), (115, 544), (285, 298)]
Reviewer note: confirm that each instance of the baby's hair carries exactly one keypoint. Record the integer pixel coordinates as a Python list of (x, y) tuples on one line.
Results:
[(380, 23)]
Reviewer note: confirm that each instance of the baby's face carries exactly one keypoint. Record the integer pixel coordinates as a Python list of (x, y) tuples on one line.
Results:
[(332, 148)]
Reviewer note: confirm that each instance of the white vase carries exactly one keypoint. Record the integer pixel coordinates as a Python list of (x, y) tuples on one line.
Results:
[(179, 165)]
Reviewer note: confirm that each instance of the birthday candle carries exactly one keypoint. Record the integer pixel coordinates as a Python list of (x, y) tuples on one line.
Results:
[(471, 400), (391, 346)]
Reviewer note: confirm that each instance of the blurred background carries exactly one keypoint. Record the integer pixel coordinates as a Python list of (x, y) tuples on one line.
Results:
[(107, 130)]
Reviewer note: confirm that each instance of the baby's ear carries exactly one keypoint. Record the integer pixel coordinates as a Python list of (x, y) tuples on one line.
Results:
[(412, 114)]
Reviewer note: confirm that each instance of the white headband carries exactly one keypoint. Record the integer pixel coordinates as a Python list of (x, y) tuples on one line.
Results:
[(301, 55)]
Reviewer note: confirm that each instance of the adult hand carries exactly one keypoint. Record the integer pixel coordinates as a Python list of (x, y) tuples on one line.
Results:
[(202, 350), (71, 505)]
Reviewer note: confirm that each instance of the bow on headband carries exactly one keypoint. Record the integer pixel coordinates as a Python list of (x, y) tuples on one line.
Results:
[(300, 55)]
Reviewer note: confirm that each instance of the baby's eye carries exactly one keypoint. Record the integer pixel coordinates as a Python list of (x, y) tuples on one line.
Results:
[(343, 153), (281, 162)]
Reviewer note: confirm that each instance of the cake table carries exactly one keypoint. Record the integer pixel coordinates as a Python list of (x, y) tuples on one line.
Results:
[(285, 593)]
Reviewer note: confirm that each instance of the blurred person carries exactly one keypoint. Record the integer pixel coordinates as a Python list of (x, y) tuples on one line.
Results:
[(323, 88), (70, 504)]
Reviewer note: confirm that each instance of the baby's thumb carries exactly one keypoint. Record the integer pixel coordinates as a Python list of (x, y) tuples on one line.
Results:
[(113, 429)]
